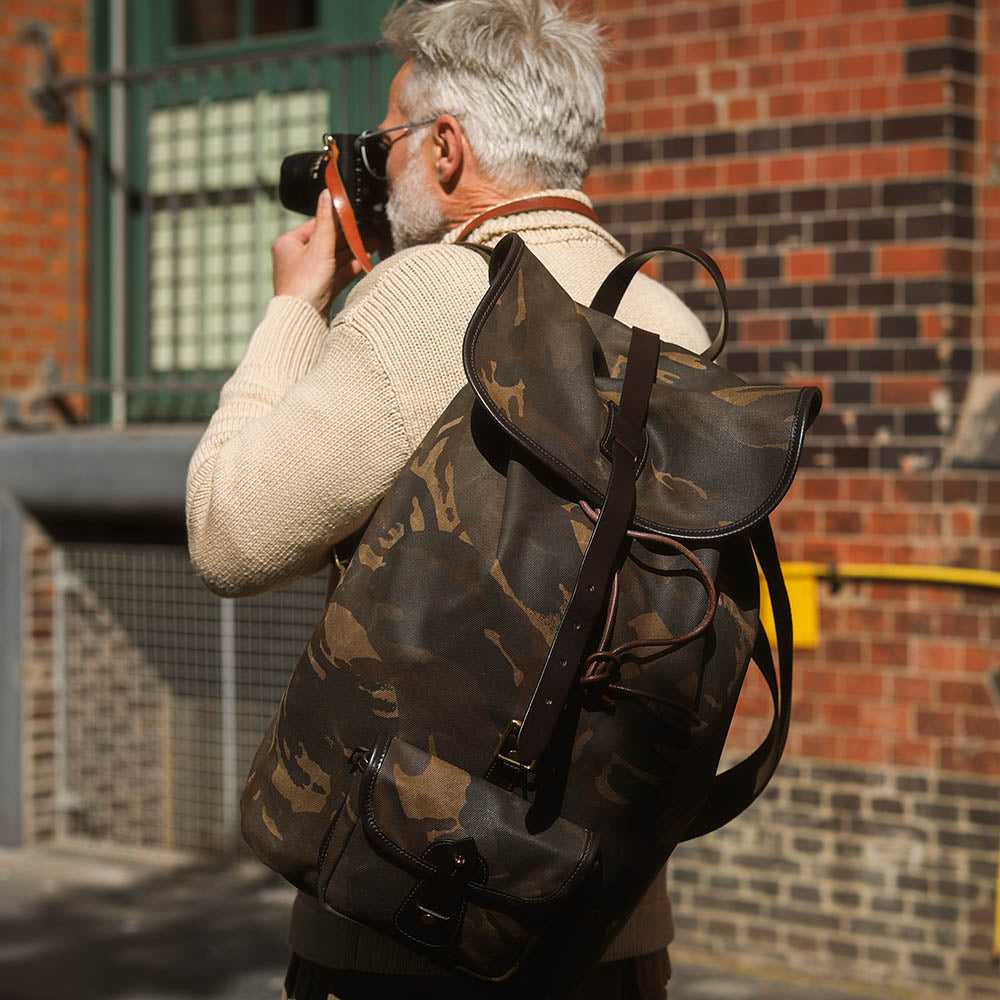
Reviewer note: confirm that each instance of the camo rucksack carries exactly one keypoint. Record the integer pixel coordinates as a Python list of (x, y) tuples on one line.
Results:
[(516, 702)]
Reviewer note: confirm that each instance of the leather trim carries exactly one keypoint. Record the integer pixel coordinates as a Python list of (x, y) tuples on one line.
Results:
[(540, 204), (345, 212), (475, 892), (506, 257)]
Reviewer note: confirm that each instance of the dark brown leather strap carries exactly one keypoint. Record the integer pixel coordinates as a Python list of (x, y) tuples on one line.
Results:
[(539, 204), (736, 788), (609, 295), (566, 654), (344, 210)]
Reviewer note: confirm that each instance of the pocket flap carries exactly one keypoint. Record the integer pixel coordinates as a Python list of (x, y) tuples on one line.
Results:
[(412, 801)]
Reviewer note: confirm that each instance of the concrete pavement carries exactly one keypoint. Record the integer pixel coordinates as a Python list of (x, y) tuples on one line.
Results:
[(92, 925)]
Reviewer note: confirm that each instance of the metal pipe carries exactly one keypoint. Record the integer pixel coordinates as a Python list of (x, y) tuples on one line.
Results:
[(119, 219), (900, 572)]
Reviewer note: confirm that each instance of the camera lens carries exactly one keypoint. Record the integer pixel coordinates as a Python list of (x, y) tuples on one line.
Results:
[(303, 177)]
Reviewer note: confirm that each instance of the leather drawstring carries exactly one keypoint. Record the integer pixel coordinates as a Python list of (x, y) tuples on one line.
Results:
[(602, 669)]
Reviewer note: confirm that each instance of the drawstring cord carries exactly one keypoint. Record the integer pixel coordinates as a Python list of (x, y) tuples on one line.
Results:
[(602, 669)]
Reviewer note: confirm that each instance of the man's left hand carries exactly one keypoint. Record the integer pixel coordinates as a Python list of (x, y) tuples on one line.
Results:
[(313, 261)]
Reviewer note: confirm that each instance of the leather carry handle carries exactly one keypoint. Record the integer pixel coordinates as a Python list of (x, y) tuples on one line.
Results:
[(567, 651), (344, 210), (609, 295), (539, 204), (736, 788)]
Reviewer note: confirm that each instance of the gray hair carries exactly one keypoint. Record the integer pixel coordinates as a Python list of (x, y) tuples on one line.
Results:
[(523, 77)]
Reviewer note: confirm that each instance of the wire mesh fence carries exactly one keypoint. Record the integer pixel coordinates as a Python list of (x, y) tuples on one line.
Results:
[(163, 692)]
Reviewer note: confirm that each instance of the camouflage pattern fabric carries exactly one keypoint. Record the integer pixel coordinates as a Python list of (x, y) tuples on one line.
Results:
[(440, 625)]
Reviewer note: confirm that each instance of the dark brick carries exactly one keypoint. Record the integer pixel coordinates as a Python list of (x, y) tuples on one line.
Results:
[(842, 949), (958, 890), (842, 801), (809, 200), (807, 845), (742, 362), (741, 236), (605, 154), (969, 789), (831, 231), (848, 776), (762, 267), (964, 127), (844, 898), (929, 227), (804, 918), (829, 296), (766, 888), (676, 147), (720, 143), (931, 292), (741, 299), (806, 796), (902, 194), (807, 136), (764, 203), (764, 140), (785, 297), (856, 196), (891, 458), (853, 132), (877, 359), (905, 127), (934, 59), (637, 151), (877, 230), (852, 262), (935, 911), (920, 359), (834, 359), (876, 293), (962, 194), (927, 960), (893, 806), (852, 393), (638, 211), (848, 849), (784, 232), (678, 208), (829, 425), (985, 817), (886, 904), (721, 206), (869, 424), (912, 783), (806, 328), (898, 328), (920, 425)]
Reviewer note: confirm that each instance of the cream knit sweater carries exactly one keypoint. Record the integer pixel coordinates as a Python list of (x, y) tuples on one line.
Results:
[(317, 421)]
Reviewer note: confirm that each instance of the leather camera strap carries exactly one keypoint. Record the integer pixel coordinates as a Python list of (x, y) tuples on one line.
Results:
[(540, 203), (344, 211)]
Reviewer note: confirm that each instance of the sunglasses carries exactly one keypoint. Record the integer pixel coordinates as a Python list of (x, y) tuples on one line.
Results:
[(375, 146)]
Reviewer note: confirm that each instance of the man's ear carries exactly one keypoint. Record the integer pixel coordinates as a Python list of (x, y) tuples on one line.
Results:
[(450, 151)]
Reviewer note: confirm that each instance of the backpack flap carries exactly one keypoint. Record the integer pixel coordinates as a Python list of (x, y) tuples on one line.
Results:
[(451, 864), (720, 455)]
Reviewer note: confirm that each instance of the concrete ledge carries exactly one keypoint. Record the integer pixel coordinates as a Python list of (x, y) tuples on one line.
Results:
[(99, 473)]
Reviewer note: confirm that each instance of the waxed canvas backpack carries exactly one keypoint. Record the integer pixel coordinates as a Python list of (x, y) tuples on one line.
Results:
[(516, 702)]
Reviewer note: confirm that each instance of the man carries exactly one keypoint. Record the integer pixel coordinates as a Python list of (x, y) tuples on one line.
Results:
[(497, 101)]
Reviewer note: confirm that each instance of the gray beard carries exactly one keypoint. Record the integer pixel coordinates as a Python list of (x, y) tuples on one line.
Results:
[(415, 217)]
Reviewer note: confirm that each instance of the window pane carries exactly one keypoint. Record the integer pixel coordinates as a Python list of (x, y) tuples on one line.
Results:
[(270, 18), (200, 23)]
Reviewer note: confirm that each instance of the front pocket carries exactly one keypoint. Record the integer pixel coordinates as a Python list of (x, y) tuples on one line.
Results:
[(444, 862)]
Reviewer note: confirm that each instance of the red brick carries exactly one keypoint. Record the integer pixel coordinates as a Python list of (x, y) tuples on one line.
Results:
[(910, 753), (807, 264)]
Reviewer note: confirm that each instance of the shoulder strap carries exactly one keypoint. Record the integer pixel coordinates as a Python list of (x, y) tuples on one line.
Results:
[(567, 651), (736, 788), (609, 295), (540, 203)]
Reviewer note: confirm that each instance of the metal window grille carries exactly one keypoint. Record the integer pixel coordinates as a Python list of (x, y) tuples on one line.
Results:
[(163, 693)]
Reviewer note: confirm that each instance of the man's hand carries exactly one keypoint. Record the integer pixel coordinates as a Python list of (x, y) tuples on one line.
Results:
[(313, 261)]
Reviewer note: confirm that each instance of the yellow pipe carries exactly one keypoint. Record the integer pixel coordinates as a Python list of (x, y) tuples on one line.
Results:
[(913, 573)]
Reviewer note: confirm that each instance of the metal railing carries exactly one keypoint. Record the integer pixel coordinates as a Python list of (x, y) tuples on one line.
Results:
[(183, 162)]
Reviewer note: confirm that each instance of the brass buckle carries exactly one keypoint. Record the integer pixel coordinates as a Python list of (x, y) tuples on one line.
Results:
[(509, 756)]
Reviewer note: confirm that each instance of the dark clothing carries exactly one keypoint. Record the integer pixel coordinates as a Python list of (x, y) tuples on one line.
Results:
[(642, 978)]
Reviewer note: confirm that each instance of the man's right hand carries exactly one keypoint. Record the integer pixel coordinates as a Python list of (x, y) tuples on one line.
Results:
[(313, 261)]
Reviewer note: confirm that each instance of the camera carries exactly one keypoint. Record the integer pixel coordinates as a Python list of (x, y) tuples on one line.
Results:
[(361, 166)]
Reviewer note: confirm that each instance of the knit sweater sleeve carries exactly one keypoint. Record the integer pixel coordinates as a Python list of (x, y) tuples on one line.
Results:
[(289, 463)]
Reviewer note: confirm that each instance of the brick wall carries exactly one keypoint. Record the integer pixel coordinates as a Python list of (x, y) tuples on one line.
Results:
[(841, 160), (42, 188)]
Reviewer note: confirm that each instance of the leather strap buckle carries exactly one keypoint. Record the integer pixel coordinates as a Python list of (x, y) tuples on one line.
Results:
[(506, 750)]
